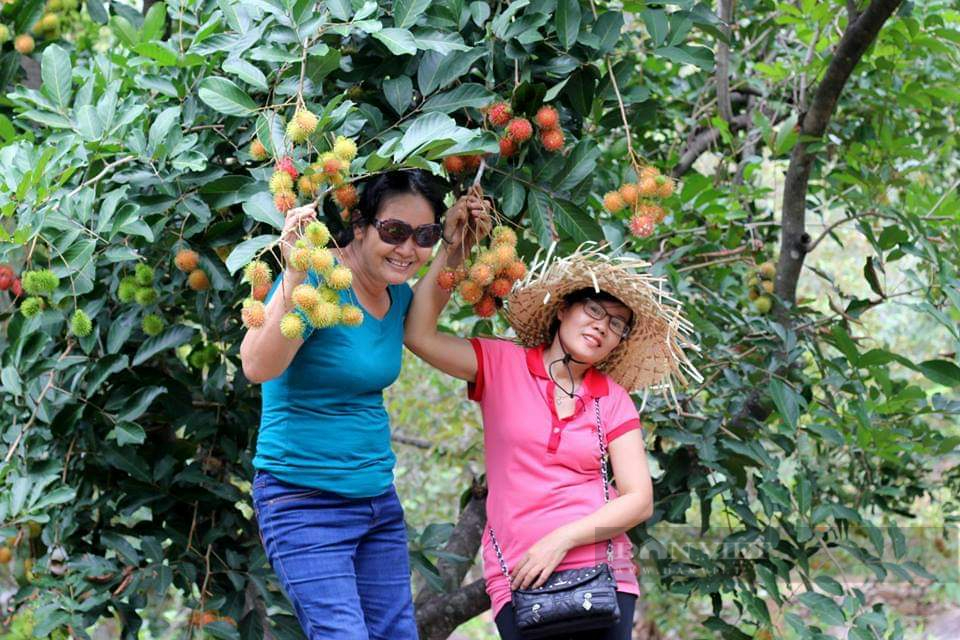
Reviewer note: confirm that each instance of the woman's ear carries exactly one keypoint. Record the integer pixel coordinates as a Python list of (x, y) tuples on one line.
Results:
[(357, 232)]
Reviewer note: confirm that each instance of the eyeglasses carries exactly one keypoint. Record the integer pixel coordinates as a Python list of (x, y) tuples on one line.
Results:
[(617, 324), (397, 231)]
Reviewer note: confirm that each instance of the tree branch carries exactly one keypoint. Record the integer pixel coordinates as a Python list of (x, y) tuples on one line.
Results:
[(794, 241), (703, 141), (438, 617)]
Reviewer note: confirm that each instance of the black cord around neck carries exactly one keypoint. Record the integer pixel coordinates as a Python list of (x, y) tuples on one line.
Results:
[(566, 360)]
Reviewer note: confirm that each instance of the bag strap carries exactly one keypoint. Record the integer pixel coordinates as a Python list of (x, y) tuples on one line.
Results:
[(606, 495)]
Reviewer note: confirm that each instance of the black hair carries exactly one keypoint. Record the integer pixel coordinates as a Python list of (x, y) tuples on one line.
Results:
[(376, 189), (579, 295)]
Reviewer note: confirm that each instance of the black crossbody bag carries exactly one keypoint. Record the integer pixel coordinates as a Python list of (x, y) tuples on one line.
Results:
[(571, 600)]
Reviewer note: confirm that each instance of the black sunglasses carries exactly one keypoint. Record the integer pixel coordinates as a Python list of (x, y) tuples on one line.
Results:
[(397, 231)]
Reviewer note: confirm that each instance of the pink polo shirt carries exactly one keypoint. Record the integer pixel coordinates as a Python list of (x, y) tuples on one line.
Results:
[(543, 472)]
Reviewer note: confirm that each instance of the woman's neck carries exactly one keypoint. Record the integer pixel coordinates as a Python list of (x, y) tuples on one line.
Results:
[(561, 373), (365, 284)]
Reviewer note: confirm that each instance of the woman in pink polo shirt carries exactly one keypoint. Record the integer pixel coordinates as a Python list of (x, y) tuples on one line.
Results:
[(590, 330)]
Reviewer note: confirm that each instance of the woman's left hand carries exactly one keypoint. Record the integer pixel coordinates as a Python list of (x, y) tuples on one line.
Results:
[(540, 560), (466, 221)]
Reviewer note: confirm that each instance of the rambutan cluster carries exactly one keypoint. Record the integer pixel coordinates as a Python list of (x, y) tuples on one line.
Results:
[(317, 306), (39, 285), (486, 281), (760, 286), (188, 261), (640, 201), (10, 282), (518, 130)]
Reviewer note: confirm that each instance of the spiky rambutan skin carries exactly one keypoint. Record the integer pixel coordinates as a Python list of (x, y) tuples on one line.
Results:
[(630, 194), (461, 274), (186, 260), (257, 151), (306, 119), (321, 260), (351, 315), (508, 148), (505, 255), (345, 149), (284, 201), (198, 280), (253, 314), (127, 289), (519, 129), (489, 258), (652, 210), (763, 304), (500, 287), (31, 306), (499, 114), (152, 324), (472, 162), (40, 282), (613, 202), (767, 270), (292, 326), (260, 293), (145, 296), (504, 235), (285, 164), (24, 44), (447, 279), (482, 274), (80, 324), (547, 117), (300, 258), (552, 140), (346, 196), (317, 234), (143, 274), (517, 270), (306, 187), (305, 296), (331, 165), (470, 291), (257, 273), (486, 307), (296, 133), (328, 295), (16, 289), (325, 314), (454, 165), (340, 277), (767, 286), (647, 187), (649, 171), (665, 187), (280, 182), (641, 226)]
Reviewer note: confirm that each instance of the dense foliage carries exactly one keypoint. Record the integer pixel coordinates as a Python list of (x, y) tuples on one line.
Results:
[(127, 442)]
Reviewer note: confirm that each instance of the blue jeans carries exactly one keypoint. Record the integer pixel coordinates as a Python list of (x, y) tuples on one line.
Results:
[(342, 562)]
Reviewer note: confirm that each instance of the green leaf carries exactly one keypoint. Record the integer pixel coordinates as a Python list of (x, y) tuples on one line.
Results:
[(941, 371), (657, 25), (427, 129), (439, 41), (247, 72), (829, 585), (698, 56), (502, 22), (607, 30), (871, 275), (540, 214), (407, 12), (171, 338), (56, 73), (339, 9), (138, 403), (400, 42), (576, 222), (89, 125), (97, 12), (270, 131), (512, 196), (226, 97), (247, 250), (892, 236), (260, 207), (825, 608), (567, 22), (466, 95), (160, 52), (399, 93), (580, 89), (162, 126), (128, 433), (787, 402), (154, 22)]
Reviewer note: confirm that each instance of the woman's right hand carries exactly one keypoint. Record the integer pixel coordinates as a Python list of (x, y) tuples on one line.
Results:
[(294, 223)]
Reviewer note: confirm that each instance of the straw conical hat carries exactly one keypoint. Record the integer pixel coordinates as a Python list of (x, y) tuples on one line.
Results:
[(653, 354)]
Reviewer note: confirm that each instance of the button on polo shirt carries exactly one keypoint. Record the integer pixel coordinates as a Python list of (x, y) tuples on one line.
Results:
[(543, 471)]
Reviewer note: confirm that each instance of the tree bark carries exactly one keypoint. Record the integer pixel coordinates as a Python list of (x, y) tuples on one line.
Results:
[(722, 74), (857, 38)]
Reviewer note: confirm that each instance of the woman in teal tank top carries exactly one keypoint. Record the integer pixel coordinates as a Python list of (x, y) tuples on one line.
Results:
[(329, 517)]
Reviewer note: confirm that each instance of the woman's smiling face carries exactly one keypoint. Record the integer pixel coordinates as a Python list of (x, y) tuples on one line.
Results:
[(395, 263), (587, 338)]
